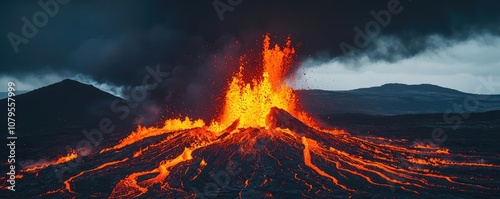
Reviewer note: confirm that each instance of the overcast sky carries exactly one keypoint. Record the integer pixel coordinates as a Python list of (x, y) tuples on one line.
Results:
[(109, 43), (460, 66)]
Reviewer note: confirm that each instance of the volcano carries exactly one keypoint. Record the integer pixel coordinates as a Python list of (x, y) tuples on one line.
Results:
[(262, 145)]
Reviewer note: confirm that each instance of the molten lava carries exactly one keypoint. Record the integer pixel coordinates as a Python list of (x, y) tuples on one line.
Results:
[(45, 164), (264, 145), (250, 103)]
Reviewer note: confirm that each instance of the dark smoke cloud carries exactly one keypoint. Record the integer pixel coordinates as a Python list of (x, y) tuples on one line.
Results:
[(113, 41)]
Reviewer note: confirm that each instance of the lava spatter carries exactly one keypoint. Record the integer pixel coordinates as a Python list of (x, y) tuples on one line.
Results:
[(263, 145)]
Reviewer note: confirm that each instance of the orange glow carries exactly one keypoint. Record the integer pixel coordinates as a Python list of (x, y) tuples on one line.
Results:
[(67, 182), (308, 162), (250, 102), (60, 160), (129, 187), (145, 132), (323, 160)]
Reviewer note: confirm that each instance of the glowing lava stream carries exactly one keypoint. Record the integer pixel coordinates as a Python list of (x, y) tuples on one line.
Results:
[(267, 109), (307, 161), (61, 160)]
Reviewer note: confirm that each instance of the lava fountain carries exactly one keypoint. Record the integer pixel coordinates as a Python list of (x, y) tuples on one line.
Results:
[(264, 145)]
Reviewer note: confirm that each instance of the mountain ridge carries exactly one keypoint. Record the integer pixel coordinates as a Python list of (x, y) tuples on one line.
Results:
[(387, 99), (395, 99), (399, 86), (392, 87), (63, 111)]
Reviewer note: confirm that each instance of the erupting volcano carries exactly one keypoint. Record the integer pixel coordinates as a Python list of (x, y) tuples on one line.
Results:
[(262, 144)]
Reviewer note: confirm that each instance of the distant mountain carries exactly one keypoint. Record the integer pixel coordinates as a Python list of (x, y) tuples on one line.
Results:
[(404, 88), (61, 111), (65, 101), (394, 99)]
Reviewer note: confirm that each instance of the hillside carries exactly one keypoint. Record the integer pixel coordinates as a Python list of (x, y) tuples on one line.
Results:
[(395, 99), (58, 113)]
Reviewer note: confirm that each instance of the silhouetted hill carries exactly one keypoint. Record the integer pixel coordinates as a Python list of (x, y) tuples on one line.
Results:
[(67, 101), (58, 113), (403, 88), (395, 99)]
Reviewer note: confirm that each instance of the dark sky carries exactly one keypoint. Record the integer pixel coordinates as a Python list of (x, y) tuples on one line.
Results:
[(112, 41)]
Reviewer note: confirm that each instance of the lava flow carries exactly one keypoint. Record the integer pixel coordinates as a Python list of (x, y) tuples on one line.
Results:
[(263, 145)]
